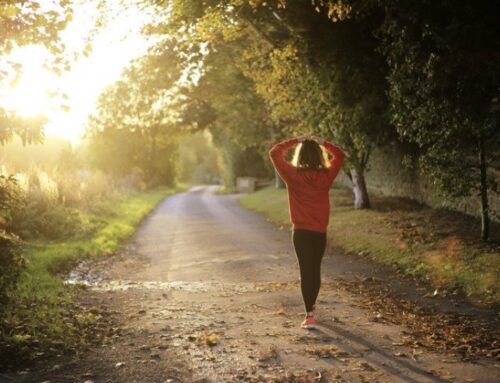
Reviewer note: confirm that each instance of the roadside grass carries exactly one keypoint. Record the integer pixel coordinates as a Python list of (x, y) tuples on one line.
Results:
[(436, 245), (44, 314)]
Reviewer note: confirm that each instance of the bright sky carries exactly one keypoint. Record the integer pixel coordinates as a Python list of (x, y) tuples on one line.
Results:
[(114, 46)]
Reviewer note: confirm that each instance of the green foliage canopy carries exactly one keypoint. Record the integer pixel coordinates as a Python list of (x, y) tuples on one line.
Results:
[(445, 89), (312, 74)]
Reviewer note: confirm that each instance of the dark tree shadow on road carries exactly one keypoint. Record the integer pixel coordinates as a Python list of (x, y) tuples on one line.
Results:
[(395, 366)]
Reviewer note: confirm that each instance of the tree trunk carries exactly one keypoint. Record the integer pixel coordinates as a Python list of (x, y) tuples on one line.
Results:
[(278, 182), (361, 200), (485, 217)]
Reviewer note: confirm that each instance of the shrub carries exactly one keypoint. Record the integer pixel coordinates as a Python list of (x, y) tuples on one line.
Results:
[(11, 265), (9, 198), (53, 204), (36, 220), (11, 261)]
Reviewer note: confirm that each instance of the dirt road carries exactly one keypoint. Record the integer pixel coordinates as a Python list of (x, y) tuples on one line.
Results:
[(207, 291)]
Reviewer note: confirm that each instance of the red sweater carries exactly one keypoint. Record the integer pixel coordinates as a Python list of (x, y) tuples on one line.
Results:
[(308, 200)]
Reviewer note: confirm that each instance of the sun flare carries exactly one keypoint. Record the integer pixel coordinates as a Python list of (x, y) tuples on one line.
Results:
[(29, 95), (68, 99)]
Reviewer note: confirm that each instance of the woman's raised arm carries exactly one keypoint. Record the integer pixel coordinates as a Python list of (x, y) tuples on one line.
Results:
[(338, 155), (277, 155)]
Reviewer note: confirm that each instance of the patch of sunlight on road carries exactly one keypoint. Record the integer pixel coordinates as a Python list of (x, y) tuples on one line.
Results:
[(222, 260)]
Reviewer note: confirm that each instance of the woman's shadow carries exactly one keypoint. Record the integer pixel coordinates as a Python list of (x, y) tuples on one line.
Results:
[(378, 357)]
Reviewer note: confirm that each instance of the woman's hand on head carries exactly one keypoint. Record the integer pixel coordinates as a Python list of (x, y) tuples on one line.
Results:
[(318, 139), (302, 138)]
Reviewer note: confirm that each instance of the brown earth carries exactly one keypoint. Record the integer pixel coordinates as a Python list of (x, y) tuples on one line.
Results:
[(207, 291)]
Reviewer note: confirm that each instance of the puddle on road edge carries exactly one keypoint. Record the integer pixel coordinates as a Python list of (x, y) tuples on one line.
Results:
[(122, 285), (97, 281)]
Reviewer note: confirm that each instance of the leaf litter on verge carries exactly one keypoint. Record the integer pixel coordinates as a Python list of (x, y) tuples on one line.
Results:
[(465, 335)]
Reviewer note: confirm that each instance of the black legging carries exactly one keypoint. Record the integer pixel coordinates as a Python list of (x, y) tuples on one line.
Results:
[(309, 247)]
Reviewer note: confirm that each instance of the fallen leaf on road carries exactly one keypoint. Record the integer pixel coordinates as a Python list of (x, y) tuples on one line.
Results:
[(376, 318), (449, 360), (210, 339), (210, 356), (366, 366), (288, 378), (328, 352), (415, 353), (272, 353), (447, 375)]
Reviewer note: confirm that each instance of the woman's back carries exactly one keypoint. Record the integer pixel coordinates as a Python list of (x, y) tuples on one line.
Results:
[(309, 200), (307, 189)]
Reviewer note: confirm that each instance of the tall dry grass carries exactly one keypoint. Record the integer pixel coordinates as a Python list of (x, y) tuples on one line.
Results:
[(54, 204)]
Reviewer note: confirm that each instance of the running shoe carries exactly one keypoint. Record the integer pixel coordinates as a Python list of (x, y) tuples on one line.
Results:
[(309, 322)]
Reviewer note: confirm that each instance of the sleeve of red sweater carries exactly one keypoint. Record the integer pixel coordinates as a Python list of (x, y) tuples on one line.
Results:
[(277, 154), (338, 158)]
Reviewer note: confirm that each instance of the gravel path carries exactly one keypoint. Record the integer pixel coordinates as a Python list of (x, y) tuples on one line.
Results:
[(207, 291)]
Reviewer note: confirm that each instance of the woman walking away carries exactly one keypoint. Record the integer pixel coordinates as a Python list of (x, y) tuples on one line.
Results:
[(308, 179)]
